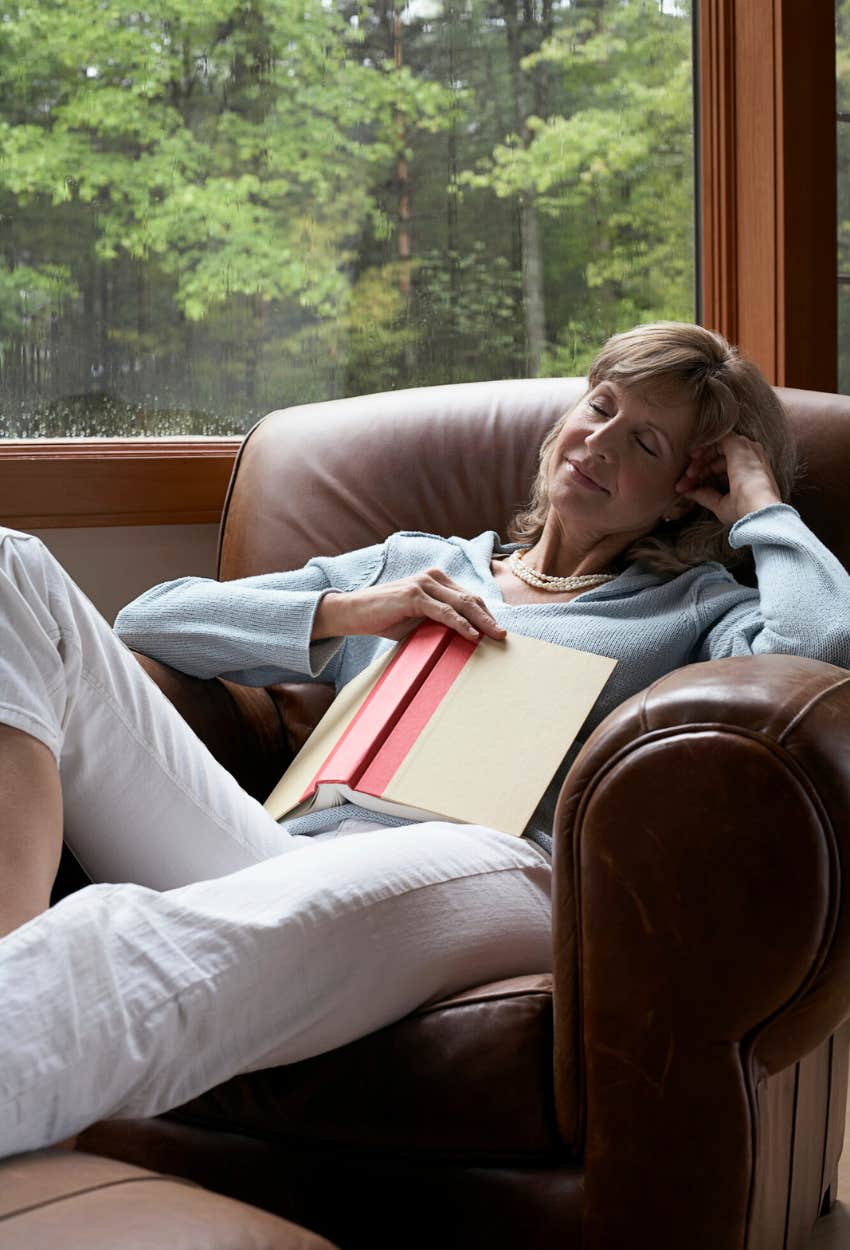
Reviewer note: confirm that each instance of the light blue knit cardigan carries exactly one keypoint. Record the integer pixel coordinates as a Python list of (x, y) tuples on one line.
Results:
[(256, 630)]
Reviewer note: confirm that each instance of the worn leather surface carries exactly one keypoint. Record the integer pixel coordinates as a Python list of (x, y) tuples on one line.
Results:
[(822, 426), (366, 1201), (323, 478), (701, 932), (399, 1089), (68, 1200)]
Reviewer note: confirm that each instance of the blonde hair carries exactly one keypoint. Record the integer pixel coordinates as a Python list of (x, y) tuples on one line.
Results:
[(672, 361)]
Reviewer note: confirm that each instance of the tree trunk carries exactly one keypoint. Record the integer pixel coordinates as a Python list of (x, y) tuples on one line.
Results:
[(532, 256), (401, 174), (451, 332), (532, 284)]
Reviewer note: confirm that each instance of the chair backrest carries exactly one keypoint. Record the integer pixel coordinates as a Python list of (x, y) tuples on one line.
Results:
[(322, 478)]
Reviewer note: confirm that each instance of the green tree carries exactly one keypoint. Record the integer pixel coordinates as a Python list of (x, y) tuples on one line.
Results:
[(229, 148), (614, 169), (210, 210), (215, 140)]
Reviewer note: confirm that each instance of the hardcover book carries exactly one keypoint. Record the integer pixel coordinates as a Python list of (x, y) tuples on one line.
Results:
[(443, 728)]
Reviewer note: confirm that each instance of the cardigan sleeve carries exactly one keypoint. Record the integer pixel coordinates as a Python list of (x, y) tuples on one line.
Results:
[(801, 606), (253, 630)]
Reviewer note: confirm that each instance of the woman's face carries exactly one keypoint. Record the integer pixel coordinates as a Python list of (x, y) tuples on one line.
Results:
[(632, 450)]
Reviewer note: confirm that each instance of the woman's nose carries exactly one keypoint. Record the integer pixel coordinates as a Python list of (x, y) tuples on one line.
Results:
[(601, 441)]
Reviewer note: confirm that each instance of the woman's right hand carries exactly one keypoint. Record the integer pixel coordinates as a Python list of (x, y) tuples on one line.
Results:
[(394, 609)]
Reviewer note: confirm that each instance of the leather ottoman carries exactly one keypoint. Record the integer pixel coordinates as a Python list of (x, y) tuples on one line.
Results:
[(67, 1200)]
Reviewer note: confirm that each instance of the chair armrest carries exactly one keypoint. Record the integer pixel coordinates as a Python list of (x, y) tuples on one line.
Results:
[(702, 934)]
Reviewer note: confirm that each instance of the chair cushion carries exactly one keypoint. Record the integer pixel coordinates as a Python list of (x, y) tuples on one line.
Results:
[(320, 478), (67, 1200), (467, 1078)]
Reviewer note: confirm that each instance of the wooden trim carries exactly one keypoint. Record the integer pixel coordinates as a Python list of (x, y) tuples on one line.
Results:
[(718, 182), (808, 171), (59, 483), (768, 184)]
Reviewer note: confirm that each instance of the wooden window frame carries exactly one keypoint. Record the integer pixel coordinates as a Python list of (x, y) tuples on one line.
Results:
[(768, 179), (766, 142), (59, 483)]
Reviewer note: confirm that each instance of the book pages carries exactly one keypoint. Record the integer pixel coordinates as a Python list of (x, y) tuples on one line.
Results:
[(286, 795)]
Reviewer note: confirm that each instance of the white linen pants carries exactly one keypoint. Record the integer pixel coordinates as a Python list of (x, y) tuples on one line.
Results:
[(216, 942)]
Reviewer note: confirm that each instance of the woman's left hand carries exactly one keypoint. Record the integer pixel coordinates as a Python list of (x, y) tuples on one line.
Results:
[(731, 478)]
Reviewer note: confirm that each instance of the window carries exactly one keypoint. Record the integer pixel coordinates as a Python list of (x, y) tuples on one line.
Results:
[(208, 211)]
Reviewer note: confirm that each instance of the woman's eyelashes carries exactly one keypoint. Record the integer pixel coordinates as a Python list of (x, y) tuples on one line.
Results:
[(602, 413)]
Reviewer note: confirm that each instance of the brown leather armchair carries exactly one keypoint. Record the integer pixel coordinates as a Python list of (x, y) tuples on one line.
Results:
[(680, 1077)]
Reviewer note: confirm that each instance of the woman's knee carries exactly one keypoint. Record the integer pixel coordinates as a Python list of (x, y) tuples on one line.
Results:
[(28, 546), (27, 567)]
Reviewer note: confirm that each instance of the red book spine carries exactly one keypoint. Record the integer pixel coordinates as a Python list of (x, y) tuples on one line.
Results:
[(383, 707), (415, 717)]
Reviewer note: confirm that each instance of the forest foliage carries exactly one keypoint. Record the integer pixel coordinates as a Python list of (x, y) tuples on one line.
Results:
[(215, 208)]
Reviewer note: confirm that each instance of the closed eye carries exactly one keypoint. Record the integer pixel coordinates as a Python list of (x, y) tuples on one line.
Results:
[(603, 413)]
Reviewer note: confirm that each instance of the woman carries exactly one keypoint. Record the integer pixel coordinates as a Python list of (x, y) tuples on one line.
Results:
[(229, 953)]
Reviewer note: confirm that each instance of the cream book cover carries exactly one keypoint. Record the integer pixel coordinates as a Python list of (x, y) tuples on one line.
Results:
[(485, 751)]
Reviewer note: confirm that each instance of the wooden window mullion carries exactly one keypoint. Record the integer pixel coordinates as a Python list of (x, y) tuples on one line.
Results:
[(768, 184)]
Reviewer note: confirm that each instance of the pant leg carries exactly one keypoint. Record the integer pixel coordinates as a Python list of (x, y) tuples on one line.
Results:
[(144, 800), (146, 999)]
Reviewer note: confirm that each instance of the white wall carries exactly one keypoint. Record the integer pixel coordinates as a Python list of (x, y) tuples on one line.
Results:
[(114, 564)]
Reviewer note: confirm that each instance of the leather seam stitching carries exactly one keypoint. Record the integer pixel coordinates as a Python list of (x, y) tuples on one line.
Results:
[(477, 1002), (93, 1189), (804, 711)]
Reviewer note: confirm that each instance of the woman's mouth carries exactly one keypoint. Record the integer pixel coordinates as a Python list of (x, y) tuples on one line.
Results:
[(582, 478)]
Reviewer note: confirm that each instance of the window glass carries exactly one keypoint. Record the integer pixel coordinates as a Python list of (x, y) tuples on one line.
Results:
[(842, 52), (212, 209)]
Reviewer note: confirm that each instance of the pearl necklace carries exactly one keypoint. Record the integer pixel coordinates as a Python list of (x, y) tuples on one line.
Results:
[(545, 581)]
